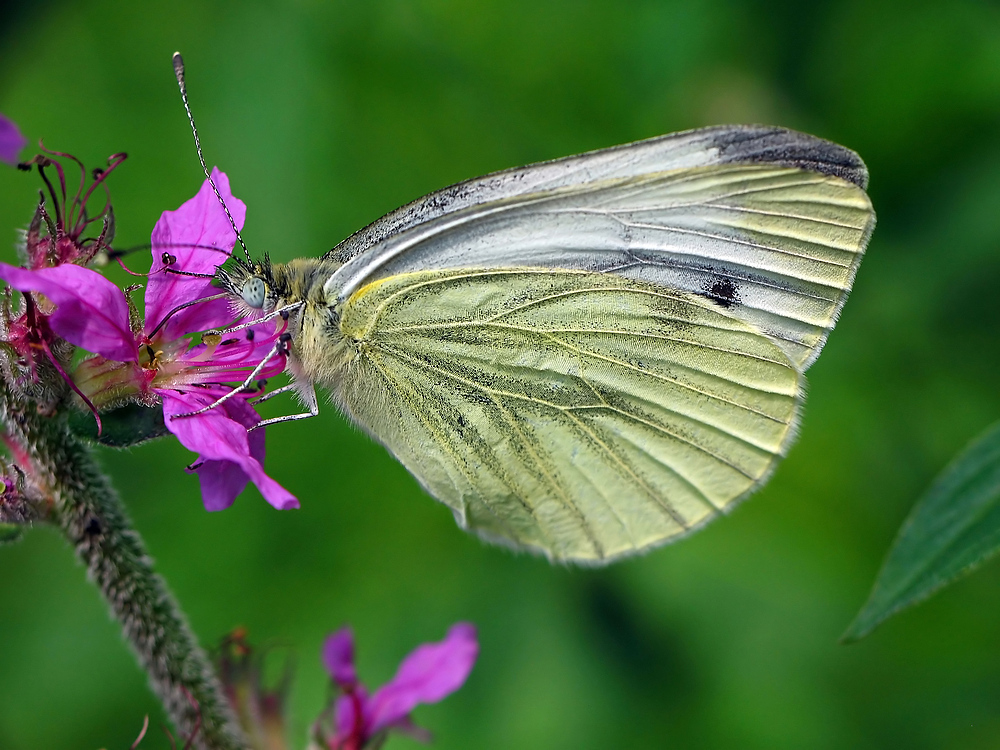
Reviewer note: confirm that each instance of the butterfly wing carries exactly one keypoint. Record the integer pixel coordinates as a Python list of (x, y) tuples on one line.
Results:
[(774, 243), (595, 355), (583, 415)]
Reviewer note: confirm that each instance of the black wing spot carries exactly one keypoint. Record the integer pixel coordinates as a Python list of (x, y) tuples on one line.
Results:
[(723, 291)]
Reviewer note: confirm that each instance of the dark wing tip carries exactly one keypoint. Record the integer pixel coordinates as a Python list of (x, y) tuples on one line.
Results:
[(753, 144)]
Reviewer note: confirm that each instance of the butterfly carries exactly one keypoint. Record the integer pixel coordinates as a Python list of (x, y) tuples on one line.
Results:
[(591, 356)]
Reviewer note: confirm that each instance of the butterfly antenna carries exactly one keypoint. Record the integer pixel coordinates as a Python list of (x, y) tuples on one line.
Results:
[(179, 72)]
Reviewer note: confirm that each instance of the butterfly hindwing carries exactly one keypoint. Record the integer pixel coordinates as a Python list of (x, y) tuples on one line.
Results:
[(583, 415)]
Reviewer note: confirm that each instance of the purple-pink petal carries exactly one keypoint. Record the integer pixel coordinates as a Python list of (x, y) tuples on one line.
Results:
[(220, 435), (221, 483), (349, 716), (338, 658), (345, 718), (431, 672), (11, 141), (199, 237), (91, 312)]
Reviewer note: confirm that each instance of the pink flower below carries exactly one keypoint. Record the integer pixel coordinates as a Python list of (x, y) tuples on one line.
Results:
[(428, 674), (157, 359)]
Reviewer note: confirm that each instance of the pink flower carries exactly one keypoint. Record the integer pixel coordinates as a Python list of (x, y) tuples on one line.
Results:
[(11, 141), (155, 360), (428, 674)]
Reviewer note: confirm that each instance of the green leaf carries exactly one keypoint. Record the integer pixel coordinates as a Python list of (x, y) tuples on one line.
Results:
[(123, 427), (953, 529)]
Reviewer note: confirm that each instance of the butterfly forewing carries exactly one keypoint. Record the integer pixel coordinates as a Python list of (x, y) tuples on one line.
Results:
[(721, 144), (580, 414), (777, 247)]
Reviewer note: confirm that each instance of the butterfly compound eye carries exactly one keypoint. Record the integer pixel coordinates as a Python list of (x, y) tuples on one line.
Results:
[(253, 292)]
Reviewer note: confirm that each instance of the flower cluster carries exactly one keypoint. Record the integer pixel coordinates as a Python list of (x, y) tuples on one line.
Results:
[(199, 355), (155, 359)]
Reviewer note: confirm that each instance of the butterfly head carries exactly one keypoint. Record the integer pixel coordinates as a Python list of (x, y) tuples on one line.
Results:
[(253, 285), (260, 286)]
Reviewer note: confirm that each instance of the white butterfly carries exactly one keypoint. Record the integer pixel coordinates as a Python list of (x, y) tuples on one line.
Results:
[(591, 356)]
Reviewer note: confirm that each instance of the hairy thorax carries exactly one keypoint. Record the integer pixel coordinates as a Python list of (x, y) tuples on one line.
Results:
[(318, 347)]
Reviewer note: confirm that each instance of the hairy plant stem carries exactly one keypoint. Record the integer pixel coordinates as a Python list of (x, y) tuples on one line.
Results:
[(93, 519)]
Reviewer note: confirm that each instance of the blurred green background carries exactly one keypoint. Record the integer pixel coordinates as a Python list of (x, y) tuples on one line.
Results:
[(328, 114)]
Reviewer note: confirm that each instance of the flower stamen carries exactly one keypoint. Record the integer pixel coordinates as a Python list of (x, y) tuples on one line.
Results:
[(113, 162), (280, 349), (167, 259), (62, 176), (52, 192)]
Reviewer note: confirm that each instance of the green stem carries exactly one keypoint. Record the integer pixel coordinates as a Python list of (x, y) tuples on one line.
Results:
[(93, 519)]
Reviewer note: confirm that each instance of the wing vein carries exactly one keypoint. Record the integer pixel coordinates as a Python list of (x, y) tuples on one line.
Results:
[(609, 331), (737, 241), (665, 506), (446, 444), (520, 396)]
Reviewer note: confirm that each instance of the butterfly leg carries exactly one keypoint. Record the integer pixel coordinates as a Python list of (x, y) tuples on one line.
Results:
[(278, 392), (280, 348), (311, 403), (282, 312)]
